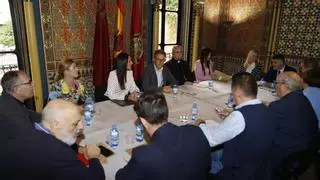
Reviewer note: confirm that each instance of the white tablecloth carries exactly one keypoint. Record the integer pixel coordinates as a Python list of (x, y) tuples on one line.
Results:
[(108, 113)]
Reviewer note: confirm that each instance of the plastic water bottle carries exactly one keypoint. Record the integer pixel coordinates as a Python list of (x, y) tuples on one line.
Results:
[(88, 118), (230, 102), (89, 104), (175, 90), (139, 132), (114, 136), (194, 111), (210, 84)]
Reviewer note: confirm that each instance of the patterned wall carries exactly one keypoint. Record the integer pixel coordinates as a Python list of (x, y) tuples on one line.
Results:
[(68, 32), (299, 29)]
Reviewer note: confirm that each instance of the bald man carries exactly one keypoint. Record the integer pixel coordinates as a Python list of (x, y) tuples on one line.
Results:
[(296, 122), (45, 153)]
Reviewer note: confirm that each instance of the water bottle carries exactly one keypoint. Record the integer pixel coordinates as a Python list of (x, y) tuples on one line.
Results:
[(139, 132), (88, 118), (194, 111), (273, 87), (210, 84), (175, 90), (114, 136), (230, 102), (89, 104)]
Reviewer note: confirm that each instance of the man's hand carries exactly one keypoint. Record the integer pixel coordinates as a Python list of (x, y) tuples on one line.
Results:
[(92, 151), (133, 96), (199, 121), (167, 89)]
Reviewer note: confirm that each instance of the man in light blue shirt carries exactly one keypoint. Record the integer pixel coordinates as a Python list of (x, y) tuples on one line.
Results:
[(311, 80)]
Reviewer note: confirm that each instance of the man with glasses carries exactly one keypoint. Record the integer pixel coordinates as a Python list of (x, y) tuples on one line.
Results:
[(157, 76), (296, 122), (17, 88), (179, 67)]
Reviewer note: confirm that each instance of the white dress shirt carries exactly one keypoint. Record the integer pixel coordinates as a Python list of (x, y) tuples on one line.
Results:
[(229, 128), (114, 91), (159, 75)]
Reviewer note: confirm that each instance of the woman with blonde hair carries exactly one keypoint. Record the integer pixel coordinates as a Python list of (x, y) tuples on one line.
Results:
[(68, 86), (251, 64)]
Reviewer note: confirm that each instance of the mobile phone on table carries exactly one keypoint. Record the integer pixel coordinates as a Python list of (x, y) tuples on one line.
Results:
[(105, 151)]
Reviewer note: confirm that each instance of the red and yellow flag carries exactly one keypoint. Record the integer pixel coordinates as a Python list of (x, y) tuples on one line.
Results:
[(136, 40), (119, 43)]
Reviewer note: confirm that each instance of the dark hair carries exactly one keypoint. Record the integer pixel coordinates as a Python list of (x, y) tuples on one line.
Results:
[(279, 56), (63, 66), (311, 77), (152, 106), (203, 59), (9, 80), (121, 69), (246, 82), (310, 63), (159, 51)]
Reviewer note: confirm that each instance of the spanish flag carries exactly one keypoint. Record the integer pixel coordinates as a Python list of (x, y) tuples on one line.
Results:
[(136, 40), (119, 44)]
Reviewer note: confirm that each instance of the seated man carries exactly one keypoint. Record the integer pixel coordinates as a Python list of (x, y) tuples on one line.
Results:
[(278, 66), (312, 89), (246, 133), (45, 153), (179, 67), (157, 76), (173, 152), (17, 88), (296, 121)]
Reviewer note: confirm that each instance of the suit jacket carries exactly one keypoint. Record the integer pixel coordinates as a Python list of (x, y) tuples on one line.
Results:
[(180, 70), (150, 81), (296, 124), (19, 114), (272, 74), (173, 153), (38, 156)]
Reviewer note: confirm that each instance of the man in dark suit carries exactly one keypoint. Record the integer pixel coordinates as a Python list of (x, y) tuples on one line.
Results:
[(179, 67), (296, 122), (173, 152), (44, 152), (278, 66), (17, 88), (157, 76)]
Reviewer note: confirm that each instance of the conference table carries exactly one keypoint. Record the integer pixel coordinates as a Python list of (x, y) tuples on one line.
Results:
[(109, 113)]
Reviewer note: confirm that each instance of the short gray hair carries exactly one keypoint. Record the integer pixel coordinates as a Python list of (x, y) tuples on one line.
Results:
[(10, 80), (292, 84)]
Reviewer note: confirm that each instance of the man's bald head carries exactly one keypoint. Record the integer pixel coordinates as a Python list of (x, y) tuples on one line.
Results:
[(288, 82), (63, 119)]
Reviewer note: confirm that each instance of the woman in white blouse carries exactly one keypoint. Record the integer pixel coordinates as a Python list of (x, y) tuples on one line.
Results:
[(121, 85)]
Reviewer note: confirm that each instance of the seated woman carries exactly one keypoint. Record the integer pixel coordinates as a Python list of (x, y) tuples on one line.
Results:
[(251, 65), (204, 66), (68, 86), (121, 85)]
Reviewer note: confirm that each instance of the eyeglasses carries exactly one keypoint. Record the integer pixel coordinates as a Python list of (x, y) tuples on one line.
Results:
[(26, 83)]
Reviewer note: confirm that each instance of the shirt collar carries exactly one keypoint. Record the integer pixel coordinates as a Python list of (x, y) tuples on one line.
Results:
[(250, 102), (39, 127), (282, 69)]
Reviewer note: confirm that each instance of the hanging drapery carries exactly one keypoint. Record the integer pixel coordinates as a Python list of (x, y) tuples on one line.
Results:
[(119, 40), (33, 54), (101, 53), (136, 40)]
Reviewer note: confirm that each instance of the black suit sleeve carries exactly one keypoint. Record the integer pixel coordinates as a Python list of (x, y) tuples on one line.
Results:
[(188, 74), (70, 166), (133, 170), (170, 78)]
